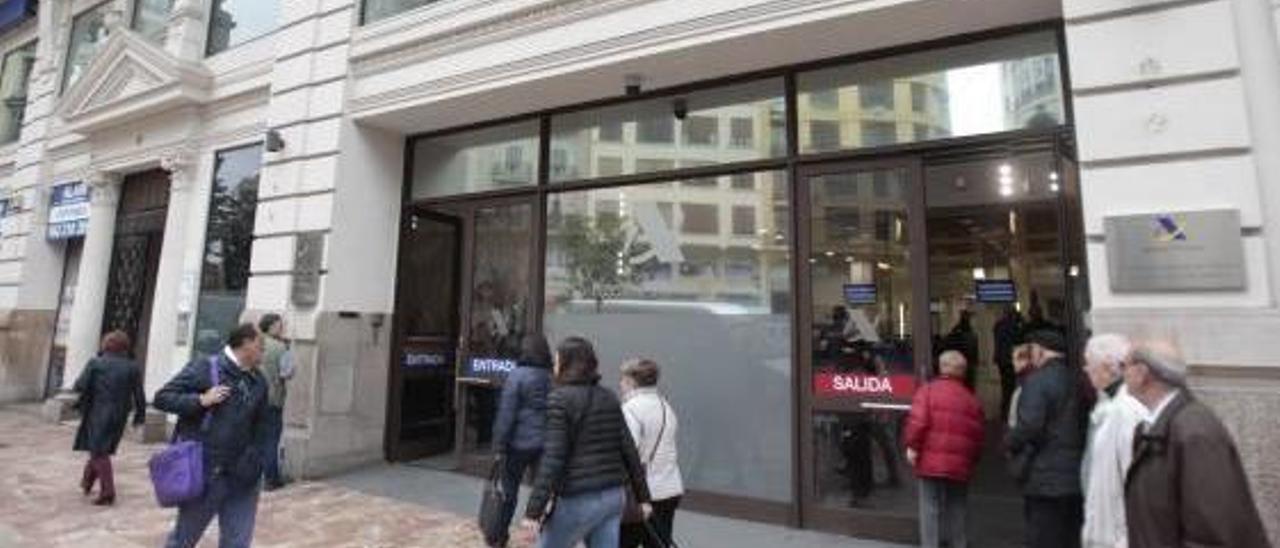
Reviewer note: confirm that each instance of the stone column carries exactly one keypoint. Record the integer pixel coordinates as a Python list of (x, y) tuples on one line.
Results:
[(185, 35), (162, 336), (95, 271)]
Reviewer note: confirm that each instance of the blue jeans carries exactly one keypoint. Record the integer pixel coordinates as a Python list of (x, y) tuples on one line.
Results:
[(594, 517), (271, 445), (235, 506), (944, 513), (514, 465)]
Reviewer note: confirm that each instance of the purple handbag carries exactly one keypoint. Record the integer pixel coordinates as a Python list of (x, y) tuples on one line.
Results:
[(177, 472)]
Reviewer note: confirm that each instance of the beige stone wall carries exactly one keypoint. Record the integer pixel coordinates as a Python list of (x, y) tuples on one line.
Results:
[(24, 353)]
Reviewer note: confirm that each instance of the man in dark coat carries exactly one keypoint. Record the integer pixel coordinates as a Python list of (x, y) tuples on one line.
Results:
[(232, 439), (1186, 486), (1049, 438), (109, 387)]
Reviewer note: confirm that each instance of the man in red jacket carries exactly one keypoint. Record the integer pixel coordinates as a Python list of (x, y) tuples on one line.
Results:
[(944, 439)]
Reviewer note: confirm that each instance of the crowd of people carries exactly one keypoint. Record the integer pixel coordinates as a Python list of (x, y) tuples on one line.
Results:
[(1119, 454)]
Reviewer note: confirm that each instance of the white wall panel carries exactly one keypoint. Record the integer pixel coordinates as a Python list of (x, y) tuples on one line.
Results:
[(1153, 45), (1086, 8), (272, 254), (318, 174), (1164, 120), (10, 273), (269, 292), (1173, 186), (8, 298), (275, 217), (315, 212)]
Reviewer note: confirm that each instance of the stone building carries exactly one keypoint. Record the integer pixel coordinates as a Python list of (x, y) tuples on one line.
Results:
[(792, 205)]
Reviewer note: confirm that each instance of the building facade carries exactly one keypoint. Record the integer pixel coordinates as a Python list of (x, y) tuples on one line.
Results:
[(791, 205)]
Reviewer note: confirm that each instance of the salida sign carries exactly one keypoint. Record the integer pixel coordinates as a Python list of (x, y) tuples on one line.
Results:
[(838, 385)]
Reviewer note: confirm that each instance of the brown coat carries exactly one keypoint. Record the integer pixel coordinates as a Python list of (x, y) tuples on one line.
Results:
[(1186, 486)]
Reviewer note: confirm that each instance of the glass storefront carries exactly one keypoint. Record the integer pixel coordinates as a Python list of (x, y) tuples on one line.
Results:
[(795, 282), (15, 75), (151, 19), (224, 273)]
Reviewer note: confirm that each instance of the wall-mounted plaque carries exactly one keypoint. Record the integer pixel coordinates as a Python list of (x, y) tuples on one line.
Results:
[(1182, 251), (308, 256)]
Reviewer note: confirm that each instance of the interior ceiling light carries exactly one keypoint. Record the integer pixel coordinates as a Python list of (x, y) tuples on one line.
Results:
[(1053, 187), (1006, 170), (1053, 176), (883, 266), (831, 254)]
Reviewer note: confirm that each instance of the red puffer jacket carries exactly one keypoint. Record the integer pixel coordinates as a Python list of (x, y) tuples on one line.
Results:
[(945, 429)]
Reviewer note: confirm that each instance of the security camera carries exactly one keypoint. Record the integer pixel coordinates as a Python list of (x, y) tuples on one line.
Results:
[(633, 84), (680, 108)]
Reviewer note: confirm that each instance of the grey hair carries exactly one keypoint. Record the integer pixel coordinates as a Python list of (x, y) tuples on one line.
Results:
[(1165, 367), (1109, 349)]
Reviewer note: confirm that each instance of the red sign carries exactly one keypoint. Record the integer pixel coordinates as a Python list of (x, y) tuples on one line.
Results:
[(843, 385)]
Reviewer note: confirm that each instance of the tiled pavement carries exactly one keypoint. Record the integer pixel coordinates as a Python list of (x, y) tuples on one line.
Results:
[(41, 505), (381, 506)]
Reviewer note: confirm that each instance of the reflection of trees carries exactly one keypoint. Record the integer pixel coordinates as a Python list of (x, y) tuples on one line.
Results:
[(602, 257), (230, 234)]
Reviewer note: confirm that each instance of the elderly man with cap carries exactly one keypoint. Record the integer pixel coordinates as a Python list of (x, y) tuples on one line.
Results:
[(1047, 442), (1186, 486)]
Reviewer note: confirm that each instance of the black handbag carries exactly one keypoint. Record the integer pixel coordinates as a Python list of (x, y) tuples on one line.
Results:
[(491, 503)]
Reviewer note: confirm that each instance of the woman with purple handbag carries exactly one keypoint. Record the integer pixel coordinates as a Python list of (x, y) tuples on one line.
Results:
[(221, 403)]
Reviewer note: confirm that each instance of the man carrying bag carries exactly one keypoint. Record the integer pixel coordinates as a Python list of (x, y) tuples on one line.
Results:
[(235, 402)]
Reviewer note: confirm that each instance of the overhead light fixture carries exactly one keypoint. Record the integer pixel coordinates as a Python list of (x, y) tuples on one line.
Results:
[(1006, 170), (884, 266), (979, 273), (1053, 187), (831, 254), (1053, 176), (1006, 191)]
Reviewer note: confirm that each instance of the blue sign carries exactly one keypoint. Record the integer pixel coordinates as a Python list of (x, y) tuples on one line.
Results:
[(995, 291), (427, 360), (488, 367), (68, 211), (860, 293), (14, 12)]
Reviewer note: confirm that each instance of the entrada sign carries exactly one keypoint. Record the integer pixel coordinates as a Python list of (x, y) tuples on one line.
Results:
[(68, 211)]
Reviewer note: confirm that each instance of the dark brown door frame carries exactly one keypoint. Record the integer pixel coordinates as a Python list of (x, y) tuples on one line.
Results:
[(393, 447), (812, 515)]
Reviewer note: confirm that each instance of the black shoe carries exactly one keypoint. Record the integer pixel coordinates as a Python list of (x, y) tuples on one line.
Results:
[(272, 485)]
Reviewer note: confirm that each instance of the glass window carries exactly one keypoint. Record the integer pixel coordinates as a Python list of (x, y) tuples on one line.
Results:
[(744, 220), (151, 18), (828, 99), (646, 165), (473, 161), (985, 87), (876, 134), (224, 275), (234, 22), (608, 166), (699, 219), (636, 307), (15, 74), (381, 9), (824, 135), (702, 131), (650, 125), (876, 95), (657, 130), (743, 181), (88, 32), (700, 182), (741, 132)]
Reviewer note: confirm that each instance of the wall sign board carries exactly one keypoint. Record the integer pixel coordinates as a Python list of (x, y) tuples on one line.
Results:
[(68, 211), (995, 291), (859, 294), (1180, 251), (308, 256)]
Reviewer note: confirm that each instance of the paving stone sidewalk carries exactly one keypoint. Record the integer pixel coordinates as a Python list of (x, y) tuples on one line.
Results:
[(383, 505), (42, 505)]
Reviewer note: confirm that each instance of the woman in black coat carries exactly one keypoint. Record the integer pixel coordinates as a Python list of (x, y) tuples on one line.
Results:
[(109, 386)]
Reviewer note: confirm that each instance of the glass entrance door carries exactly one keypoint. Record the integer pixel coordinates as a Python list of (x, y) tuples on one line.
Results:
[(464, 298), (861, 296)]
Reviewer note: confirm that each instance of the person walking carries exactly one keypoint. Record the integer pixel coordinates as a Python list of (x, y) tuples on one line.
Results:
[(109, 386), (520, 426), (588, 459), (1109, 446), (1047, 443), (654, 427), (1186, 485), (277, 369), (232, 441), (944, 440)]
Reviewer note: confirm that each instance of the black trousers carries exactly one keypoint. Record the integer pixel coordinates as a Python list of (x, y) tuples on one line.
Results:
[(1053, 522), (662, 520)]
